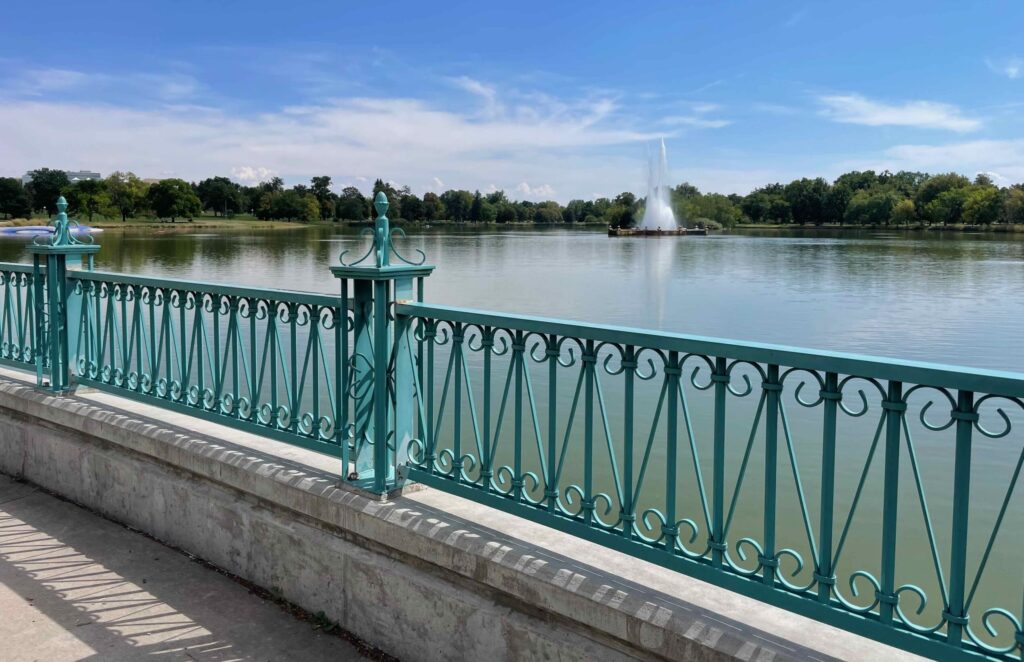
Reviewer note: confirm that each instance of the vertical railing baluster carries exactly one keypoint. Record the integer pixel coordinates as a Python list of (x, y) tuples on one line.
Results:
[(233, 337), (457, 336), (773, 388), (486, 472), (894, 408), (182, 339), (429, 336), (589, 359), (341, 364), (825, 574), (217, 379), (272, 341), (966, 417), (314, 344), (293, 366), (199, 333), (720, 378), (627, 509), (153, 359), (518, 348), (672, 372), (255, 371), (551, 353)]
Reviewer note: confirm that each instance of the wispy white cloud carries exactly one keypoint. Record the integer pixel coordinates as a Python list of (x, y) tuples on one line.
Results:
[(1001, 159), (775, 108), (1011, 67), (251, 175), (857, 109), (538, 192), (696, 121), (49, 82), (407, 140)]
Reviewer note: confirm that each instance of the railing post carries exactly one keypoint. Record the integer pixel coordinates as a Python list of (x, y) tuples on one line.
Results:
[(894, 408), (824, 575), (772, 387), (54, 320), (966, 417), (720, 378), (381, 368)]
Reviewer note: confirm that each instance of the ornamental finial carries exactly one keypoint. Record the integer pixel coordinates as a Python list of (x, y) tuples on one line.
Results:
[(62, 206), (382, 247), (380, 203)]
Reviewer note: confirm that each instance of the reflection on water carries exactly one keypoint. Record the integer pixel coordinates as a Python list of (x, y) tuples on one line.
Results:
[(955, 299)]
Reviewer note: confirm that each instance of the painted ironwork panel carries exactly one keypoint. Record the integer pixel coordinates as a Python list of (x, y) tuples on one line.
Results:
[(18, 337), (260, 360), (869, 498)]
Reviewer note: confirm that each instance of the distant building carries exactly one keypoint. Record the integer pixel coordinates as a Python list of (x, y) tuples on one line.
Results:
[(73, 176)]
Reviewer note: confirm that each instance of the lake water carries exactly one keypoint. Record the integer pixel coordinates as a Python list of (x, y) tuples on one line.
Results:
[(955, 299)]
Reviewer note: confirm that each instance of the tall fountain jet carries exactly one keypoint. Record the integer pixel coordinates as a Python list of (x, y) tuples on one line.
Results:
[(658, 213)]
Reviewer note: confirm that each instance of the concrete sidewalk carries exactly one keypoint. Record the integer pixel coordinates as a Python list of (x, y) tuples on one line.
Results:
[(74, 586)]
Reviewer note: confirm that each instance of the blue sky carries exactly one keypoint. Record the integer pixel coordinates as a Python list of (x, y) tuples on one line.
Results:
[(543, 100)]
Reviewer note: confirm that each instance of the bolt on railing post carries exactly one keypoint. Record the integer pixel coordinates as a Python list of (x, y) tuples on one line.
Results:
[(54, 321), (381, 369)]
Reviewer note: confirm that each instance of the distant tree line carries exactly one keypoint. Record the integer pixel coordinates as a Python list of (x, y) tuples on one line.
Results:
[(855, 198)]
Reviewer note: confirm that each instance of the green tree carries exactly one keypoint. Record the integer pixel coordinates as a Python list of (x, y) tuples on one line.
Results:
[(171, 198), (935, 186), (506, 213), (835, 203), (476, 207), (806, 198), (715, 207), (88, 196), (221, 195), (457, 204), (904, 213), (982, 205), (412, 207), (14, 200), (321, 190), (352, 205), (433, 208), (870, 207), (1013, 205), (46, 186), (127, 194), (547, 213), (947, 208)]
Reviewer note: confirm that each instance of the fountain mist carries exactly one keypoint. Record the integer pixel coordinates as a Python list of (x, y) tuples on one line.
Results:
[(658, 212)]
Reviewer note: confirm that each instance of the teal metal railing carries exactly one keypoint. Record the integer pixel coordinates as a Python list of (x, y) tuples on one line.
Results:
[(264, 361), (873, 494), (877, 495), (18, 316)]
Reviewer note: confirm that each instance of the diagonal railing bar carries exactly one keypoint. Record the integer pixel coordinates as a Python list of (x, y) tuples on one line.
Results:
[(699, 475), (858, 492), (801, 499), (743, 465), (926, 514)]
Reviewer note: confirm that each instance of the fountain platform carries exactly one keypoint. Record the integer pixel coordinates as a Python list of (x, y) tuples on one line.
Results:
[(641, 232)]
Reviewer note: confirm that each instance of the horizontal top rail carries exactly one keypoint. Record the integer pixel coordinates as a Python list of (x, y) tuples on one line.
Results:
[(979, 380), (288, 296), (18, 267)]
